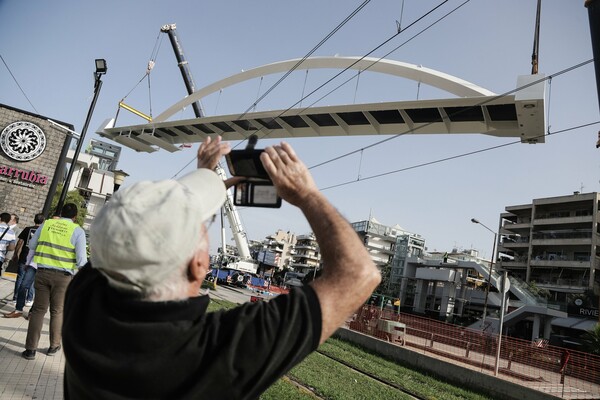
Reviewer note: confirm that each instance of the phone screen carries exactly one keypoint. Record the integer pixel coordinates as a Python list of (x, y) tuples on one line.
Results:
[(256, 194)]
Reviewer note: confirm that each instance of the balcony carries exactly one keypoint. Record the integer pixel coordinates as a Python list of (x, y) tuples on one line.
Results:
[(306, 247), (561, 263), (562, 238), (380, 249), (513, 264), (304, 265), (307, 257), (562, 218), (512, 244)]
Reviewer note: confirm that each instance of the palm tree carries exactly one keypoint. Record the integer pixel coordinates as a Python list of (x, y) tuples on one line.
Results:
[(592, 339)]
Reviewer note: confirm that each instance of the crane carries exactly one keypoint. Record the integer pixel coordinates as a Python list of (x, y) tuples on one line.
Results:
[(244, 262)]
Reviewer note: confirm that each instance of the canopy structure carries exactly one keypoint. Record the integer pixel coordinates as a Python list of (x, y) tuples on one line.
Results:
[(477, 110)]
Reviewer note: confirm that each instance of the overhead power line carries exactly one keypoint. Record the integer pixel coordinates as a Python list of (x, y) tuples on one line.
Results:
[(354, 63), (341, 72), (17, 82), (549, 77), (337, 28), (454, 157)]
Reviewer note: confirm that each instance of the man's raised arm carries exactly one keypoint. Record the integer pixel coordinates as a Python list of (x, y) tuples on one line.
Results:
[(349, 276)]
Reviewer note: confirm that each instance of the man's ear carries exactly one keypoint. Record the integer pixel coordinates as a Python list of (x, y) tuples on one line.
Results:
[(197, 268)]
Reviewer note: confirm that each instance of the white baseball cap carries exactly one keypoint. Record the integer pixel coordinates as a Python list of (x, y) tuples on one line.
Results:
[(149, 229)]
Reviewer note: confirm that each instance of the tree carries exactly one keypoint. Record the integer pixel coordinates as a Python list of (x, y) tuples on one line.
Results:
[(538, 291), (592, 340), (72, 197), (384, 286)]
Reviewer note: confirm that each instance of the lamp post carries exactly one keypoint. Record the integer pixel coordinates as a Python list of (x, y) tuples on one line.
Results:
[(505, 288), (100, 70), (489, 282)]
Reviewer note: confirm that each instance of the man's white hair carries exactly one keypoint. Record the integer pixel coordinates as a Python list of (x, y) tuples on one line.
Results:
[(175, 286)]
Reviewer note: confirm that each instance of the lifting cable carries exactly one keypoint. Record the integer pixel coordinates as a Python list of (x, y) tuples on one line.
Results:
[(356, 87), (149, 67)]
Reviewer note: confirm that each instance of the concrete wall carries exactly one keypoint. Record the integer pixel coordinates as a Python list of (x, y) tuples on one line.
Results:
[(452, 373)]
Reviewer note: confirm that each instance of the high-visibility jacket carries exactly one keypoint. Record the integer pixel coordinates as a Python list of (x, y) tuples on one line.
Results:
[(54, 247)]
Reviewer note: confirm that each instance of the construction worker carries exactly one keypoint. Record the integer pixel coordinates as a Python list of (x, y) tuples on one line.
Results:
[(58, 248)]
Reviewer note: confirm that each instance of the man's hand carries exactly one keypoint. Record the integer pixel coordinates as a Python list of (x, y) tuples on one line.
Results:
[(289, 175), (211, 151)]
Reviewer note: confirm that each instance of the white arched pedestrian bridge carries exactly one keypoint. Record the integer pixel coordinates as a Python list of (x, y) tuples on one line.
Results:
[(475, 110)]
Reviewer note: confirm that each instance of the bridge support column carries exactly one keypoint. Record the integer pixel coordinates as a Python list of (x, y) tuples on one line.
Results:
[(421, 295), (547, 327), (535, 332), (448, 300)]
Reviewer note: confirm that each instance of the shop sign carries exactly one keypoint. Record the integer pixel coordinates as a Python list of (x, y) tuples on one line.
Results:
[(22, 177), (23, 141)]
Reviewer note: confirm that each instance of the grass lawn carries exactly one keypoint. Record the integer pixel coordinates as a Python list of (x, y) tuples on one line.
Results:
[(333, 380), (415, 382)]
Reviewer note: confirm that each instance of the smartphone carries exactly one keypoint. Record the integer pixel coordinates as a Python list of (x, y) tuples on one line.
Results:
[(256, 194), (246, 163)]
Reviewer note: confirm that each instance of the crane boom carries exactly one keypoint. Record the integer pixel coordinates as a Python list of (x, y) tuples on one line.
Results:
[(245, 263), (188, 80)]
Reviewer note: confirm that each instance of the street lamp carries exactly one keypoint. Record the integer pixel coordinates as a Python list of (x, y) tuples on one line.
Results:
[(119, 178), (100, 70), (489, 282)]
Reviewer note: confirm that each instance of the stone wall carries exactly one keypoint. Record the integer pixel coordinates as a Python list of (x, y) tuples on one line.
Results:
[(24, 185)]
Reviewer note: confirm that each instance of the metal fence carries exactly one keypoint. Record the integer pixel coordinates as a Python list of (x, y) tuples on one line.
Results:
[(567, 374)]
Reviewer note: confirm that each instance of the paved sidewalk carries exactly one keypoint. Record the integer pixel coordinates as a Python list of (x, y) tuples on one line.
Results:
[(41, 378)]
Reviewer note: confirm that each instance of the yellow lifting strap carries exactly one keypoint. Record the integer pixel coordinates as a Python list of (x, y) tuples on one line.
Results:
[(136, 112)]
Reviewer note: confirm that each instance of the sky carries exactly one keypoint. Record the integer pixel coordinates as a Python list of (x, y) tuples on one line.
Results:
[(50, 49)]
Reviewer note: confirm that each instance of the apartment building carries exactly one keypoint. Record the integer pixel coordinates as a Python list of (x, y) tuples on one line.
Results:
[(308, 257), (277, 250), (553, 243), (389, 246), (95, 176)]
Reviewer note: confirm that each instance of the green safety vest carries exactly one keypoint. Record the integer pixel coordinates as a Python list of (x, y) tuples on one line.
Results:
[(54, 247)]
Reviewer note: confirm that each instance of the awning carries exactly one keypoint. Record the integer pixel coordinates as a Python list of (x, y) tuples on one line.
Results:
[(582, 324)]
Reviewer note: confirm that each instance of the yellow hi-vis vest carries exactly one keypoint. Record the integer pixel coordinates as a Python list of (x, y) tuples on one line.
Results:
[(54, 247)]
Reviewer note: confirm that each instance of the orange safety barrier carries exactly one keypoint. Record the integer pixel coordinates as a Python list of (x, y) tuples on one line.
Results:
[(568, 374)]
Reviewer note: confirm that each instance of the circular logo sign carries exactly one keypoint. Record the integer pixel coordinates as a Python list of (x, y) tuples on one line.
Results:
[(23, 141), (578, 302)]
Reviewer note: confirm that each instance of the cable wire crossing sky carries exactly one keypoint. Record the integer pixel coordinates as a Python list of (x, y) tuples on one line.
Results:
[(430, 184)]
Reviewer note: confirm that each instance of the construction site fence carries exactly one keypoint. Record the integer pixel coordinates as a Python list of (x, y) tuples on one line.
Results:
[(563, 373)]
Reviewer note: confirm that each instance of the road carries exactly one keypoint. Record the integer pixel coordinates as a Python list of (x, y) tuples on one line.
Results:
[(235, 295)]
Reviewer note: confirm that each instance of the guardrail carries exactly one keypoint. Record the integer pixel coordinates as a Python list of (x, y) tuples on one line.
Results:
[(568, 374)]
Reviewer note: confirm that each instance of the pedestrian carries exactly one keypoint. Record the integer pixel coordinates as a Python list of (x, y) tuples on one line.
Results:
[(24, 291), (7, 237), (58, 248), (14, 225), (136, 325)]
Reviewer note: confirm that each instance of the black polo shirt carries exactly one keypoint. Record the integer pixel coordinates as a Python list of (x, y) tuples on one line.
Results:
[(117, 347)]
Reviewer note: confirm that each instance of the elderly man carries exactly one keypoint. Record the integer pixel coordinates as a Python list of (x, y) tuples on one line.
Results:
[(135, 325)]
